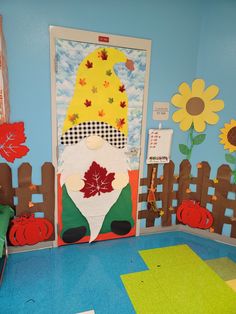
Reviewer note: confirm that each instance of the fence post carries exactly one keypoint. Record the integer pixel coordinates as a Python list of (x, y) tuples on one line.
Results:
[(148, 214), (23, 191), (221, 193), (183, 181), (48, 191), (167, 193), (7, 192), (202, 183)]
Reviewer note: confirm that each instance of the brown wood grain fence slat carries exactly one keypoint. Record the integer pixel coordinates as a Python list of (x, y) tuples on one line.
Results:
[(183, 182), (168, 181), (48, 175), (23, 192), (149, 214), (218, 209), (203, 183), (7, 192)]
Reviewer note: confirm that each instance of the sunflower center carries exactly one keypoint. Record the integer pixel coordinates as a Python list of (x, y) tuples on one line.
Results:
[(231, 136), (195, 106)]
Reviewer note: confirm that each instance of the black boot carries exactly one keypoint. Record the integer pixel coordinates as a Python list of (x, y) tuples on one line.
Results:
[(74, 234), (121, 227)]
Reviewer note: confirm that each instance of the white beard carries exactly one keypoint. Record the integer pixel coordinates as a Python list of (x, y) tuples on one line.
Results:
[(76, 159)]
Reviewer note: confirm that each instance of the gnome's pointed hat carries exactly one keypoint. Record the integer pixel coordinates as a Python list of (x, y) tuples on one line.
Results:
[(100, 103)]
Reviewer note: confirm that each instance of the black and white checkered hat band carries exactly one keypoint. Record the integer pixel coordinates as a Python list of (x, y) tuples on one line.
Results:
[(85, 129)]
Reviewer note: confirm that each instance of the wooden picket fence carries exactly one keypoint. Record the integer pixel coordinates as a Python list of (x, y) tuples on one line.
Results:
[(213, 194), (20, 197)]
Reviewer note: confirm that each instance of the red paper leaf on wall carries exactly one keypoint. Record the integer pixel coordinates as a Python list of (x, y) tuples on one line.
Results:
[(97, 181), (11, 138)]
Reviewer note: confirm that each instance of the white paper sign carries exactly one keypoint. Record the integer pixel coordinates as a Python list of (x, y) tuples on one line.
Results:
[(160, 111), (159, 146)]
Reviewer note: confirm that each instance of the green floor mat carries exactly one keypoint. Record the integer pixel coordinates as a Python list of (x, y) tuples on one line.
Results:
[(169, 256), (178, 282), (224, 267)]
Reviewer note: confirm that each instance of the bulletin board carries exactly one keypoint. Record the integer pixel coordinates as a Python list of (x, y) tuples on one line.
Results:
[(99, 86)]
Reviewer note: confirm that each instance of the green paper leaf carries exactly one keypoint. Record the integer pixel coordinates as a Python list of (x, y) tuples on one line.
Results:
[(184, 149), (199, 139), (230, 159)]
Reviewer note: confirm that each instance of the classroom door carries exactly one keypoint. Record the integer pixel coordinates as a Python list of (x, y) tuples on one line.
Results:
[(99, 93)]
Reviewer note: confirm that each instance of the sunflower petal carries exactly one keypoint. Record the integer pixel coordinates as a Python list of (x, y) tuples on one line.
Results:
[(211, 92), (199, 123), (186, 123), (211, 118), (178, 101), (232, 123), (216, 105), (198, 86), (179, 115), (184, 89)]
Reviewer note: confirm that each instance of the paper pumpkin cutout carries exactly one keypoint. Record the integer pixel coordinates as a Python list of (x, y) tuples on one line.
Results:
[(28, 230), (192, 214), (197, 106), (11, 139)]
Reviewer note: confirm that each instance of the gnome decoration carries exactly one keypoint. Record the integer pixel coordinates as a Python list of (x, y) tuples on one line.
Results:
[(96, 193)]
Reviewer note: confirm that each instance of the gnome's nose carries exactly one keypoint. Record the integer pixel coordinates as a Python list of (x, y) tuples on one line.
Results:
[(94, 142)]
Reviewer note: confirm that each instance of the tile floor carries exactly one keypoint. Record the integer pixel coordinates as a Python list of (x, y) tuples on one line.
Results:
[(79, 278)]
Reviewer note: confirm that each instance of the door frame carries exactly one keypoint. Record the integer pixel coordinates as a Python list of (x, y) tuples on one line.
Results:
[(100, 39)]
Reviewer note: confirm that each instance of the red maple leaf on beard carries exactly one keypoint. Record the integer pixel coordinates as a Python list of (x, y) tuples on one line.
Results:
[(97, 181), (11, 137)]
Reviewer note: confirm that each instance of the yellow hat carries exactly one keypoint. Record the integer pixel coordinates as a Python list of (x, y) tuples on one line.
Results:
[(99, 95)]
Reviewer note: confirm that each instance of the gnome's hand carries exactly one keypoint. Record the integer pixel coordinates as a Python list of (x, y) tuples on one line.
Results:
[(74, 182), (120, 181)]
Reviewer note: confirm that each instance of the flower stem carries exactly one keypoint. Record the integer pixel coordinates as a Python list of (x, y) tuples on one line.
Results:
[(191, 141), (234, 172)]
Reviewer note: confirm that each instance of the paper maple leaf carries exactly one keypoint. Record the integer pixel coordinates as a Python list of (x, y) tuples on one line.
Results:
[(97, 181), (123, 104), (122, 88), (88, 103), (82, 81), (89, 64), (120, 123), (101, 113), (103, 54), (11, 137)]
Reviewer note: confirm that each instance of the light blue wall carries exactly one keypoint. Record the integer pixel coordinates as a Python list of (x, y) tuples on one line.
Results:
[(173, 26), (190, 38), (217, 65)]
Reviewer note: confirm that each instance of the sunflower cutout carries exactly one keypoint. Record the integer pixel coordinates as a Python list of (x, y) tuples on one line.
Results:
[(228, 139), (197, 107)]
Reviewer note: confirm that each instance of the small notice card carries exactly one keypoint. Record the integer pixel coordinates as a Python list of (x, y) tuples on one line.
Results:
[(159, 146)]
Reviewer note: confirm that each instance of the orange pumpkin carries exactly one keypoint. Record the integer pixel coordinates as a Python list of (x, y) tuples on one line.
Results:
[(28, 230), (192, 214)]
